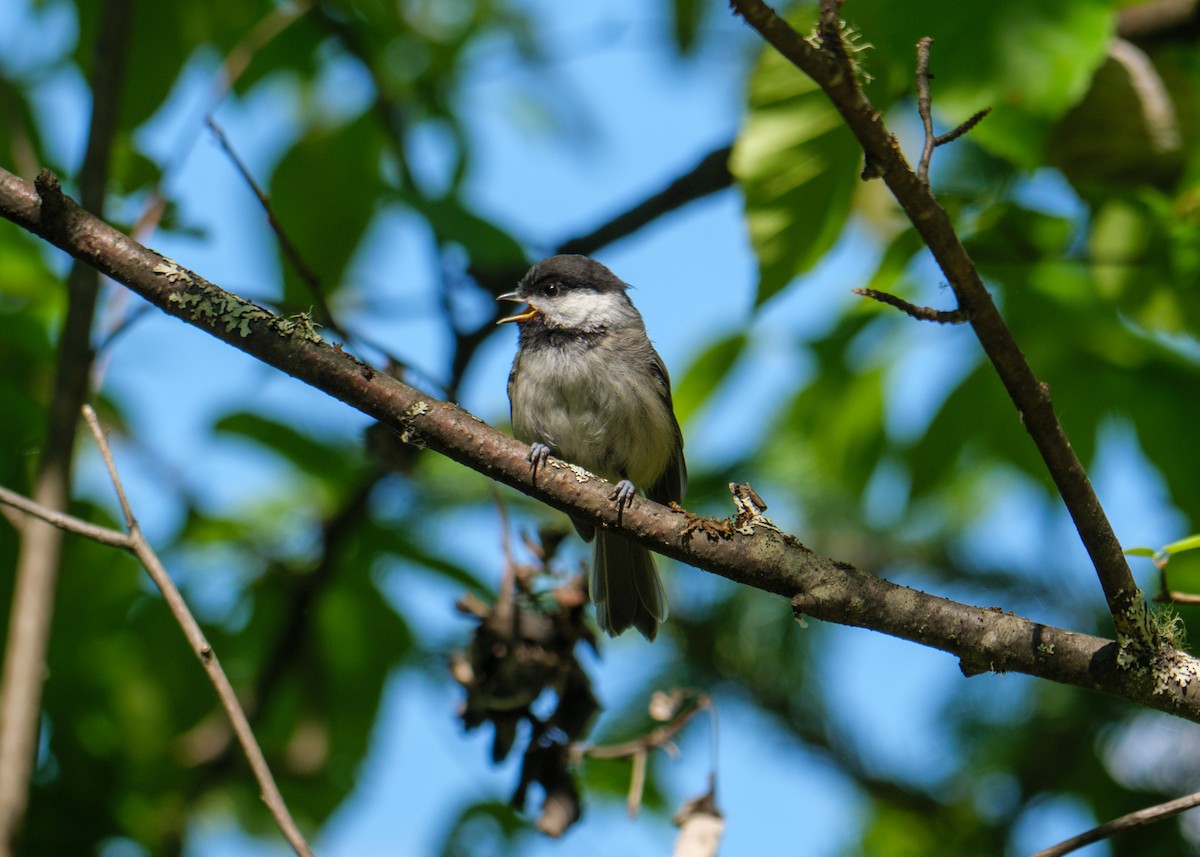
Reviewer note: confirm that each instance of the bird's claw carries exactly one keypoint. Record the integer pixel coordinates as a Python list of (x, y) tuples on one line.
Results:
[(538, 453), (623, 494)]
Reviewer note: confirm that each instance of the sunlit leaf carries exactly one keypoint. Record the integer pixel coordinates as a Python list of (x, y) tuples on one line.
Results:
[(1191, 543), (797, 166), (706, 373), (340, 167)]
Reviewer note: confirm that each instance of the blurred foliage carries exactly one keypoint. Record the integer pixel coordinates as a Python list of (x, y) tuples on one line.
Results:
[(793, 151), (1078, 198)]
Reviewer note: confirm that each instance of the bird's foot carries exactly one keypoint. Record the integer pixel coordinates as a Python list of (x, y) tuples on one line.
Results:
[(623, 495), (538, 453)]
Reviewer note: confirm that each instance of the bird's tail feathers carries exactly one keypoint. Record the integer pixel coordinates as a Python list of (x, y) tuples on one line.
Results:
[(625, 587)]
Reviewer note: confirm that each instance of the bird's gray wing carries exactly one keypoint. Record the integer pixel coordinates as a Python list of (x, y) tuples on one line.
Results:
[(672, 485)]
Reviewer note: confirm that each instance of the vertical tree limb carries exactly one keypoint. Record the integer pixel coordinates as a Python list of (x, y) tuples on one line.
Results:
[(1031, 397), (41, 544)]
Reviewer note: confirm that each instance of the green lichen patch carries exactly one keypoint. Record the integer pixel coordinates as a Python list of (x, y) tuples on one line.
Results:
[(202, 302)]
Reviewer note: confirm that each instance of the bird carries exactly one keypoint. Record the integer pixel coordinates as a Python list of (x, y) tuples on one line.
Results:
[(588, 387)]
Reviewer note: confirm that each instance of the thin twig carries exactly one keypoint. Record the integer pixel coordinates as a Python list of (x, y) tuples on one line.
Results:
[(278, 19), (510, 561), (637, 784), (1149, 815), (925, 107), (68, 523), (953, 134), (1158, 21), (1159, 116), (1173, 597), (135, 542), (309, 277), (657, 737), (506, 596), (921, 313), (260, 35), (203, 651), (638, 749), (1167, 595)]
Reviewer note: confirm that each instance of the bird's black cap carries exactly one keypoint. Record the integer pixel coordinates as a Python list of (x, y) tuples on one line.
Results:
[(573, 272)]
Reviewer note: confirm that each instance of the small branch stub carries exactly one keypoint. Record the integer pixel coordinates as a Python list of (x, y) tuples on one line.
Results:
[(54, 206), (921, 313), (951, 136)]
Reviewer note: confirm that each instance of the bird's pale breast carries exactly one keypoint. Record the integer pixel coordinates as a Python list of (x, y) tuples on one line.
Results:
[(602, 410)]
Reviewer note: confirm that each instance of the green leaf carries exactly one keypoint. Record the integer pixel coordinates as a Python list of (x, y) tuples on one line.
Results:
[(488, 245), (325, 192), (1122, 134), (1191, 543), (327, 462), (1028, 60), (687, 16), (1149, 553), (1185, 573), (797, 165), (706, 373)]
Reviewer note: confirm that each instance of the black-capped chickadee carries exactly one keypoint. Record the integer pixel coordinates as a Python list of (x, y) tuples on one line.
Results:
[(588, 387)]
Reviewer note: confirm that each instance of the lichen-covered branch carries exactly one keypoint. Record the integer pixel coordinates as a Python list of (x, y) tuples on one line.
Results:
[(983, 639)]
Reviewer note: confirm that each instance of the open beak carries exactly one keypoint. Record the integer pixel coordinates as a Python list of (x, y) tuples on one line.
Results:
[(521, 316)]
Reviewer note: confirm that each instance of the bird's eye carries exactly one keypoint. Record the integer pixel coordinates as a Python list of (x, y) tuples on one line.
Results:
[(551, 289)]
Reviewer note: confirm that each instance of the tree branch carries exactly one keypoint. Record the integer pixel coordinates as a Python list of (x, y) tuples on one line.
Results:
[(1031, 397), (920, 313), (1159, 21), (983, 639), (925, 108), (710, 175), (1141, 818), (66, 523)]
